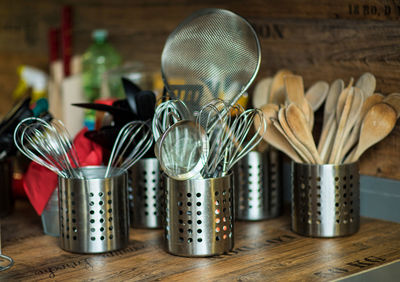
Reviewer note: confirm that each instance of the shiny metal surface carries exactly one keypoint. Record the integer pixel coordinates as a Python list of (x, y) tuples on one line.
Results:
[(213, 53), (199, 218), (258, 189), (5, 262), (168, 113), (133, 141), (50, 216), (183, 150), (94, 212), (325, 199), (48, 144), (145, 194)]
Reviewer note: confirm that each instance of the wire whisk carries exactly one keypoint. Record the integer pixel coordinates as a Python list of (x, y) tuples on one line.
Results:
[(167, 114), (134, 139), (47, 144), (240, 139), (215, 118)]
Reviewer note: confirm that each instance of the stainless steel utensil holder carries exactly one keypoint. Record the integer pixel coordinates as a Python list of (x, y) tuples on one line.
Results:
[(325, 199), (199, 219), (258, 188), (94, 212), (50, 216), (145, 194)]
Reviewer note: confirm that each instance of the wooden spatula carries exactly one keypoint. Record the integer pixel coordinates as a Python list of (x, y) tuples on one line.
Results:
[(298, 124), (273, 136)]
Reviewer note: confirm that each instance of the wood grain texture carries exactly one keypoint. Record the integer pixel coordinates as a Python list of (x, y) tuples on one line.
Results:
[(320, 40), (265, 250)]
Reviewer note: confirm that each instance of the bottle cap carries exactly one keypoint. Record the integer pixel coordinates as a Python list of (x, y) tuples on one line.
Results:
[(100, 35)]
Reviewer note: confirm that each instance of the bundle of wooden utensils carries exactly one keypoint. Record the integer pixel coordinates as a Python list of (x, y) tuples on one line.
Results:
[(354, 117)]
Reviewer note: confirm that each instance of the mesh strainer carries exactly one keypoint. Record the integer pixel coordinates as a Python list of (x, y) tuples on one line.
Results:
[(214, 53)]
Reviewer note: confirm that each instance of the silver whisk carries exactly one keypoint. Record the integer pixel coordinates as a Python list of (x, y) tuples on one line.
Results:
[(47, 144), (215, 118), (168, 113), (133, 141), (240, 140)]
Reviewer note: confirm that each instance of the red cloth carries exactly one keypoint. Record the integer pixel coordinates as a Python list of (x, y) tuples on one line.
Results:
[(40, 182)]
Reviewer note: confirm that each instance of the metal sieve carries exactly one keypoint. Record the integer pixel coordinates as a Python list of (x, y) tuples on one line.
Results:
[(183, 149), (213, 53)]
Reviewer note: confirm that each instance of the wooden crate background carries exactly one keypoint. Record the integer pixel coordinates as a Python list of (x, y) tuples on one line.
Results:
[(318, 39)]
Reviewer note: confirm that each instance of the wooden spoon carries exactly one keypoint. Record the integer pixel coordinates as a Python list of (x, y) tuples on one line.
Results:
[(394, 101), (279, 97), (294, 89), (367, 84), (297, 145), (355, 132), (292, 142), (378, 123), (354, 114), (342, 100), (298, 124), (317, 94), (310, 116), (328, 125), (342, 119), (273, 136), (326, 142), (261, 92), (277, 84), (331, 100), (269, 111)]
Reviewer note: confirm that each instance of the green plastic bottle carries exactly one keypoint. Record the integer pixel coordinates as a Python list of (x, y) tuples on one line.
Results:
[(97, 59)]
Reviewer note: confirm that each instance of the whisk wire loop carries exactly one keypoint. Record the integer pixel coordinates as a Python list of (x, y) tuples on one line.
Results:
[(47, 144), (135, 136)]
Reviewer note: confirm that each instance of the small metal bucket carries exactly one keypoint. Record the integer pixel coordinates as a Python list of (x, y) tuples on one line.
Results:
[(50, 216), (94, 211), (326, 199), (145, 194), (199, 219), (258, 189)]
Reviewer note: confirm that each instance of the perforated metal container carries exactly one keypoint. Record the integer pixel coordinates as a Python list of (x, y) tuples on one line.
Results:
[(50, 216), (94, 212), (199, 219), (326, 199), (258, 188), (145, 194)]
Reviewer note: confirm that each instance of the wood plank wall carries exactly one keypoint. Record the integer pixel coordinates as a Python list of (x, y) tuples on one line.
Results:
[(319, 39)]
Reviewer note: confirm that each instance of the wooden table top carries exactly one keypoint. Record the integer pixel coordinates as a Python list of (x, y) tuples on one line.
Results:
[(265, 250)]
